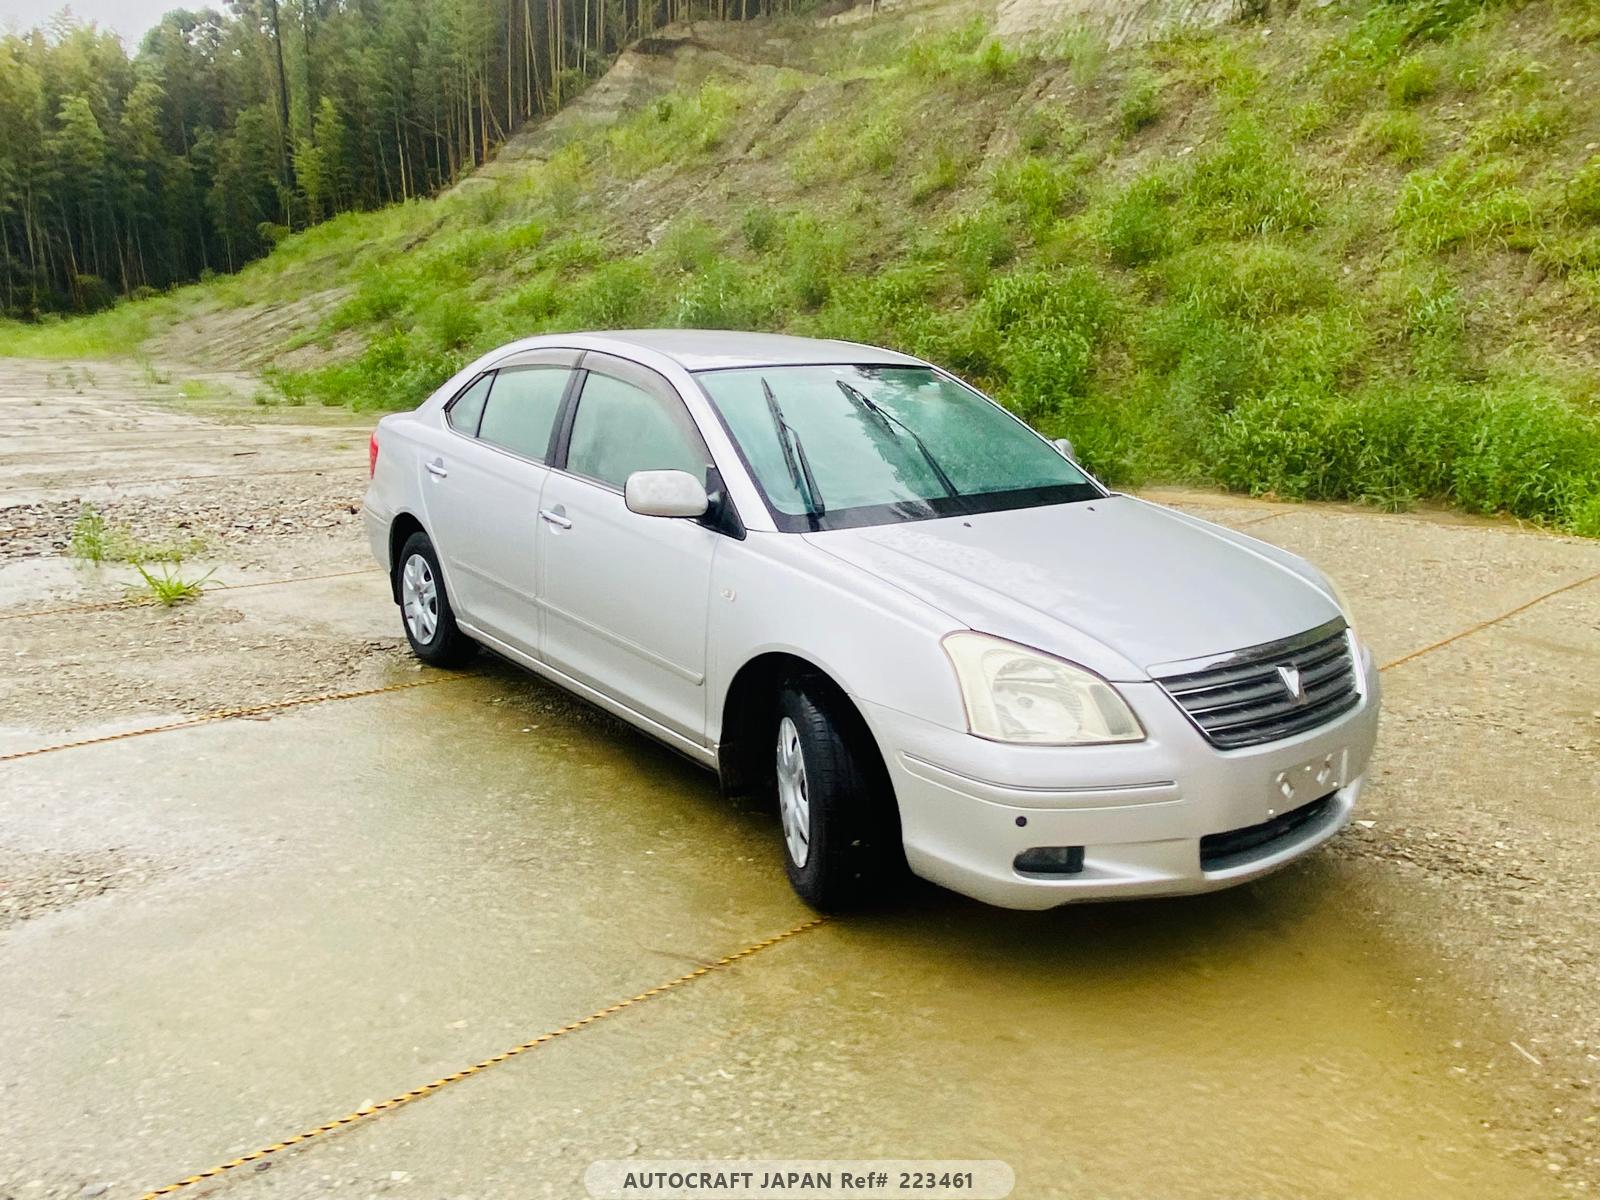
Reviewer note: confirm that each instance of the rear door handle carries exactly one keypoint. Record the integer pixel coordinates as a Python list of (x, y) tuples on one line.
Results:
[(436, 468), (555, 519)]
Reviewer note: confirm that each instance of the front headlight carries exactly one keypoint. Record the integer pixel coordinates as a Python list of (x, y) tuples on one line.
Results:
[(1014, 694)]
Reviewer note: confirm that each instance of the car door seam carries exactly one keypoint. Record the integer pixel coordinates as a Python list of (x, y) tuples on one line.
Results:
[(695, 677)]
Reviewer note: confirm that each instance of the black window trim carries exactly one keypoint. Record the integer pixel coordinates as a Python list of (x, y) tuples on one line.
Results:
[(723, 516), (462, 391), (562, 405)]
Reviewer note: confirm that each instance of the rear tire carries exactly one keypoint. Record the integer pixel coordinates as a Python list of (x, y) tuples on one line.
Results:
[(425, 611), (840, 840)]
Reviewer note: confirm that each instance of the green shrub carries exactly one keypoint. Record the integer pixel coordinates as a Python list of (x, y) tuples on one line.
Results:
[(94, 540), (1528, 454), (1570, 256), (1250, 184), (890, 308), (529, 306), (1085, 48), (1436, 328), (1462, 202), (975, 245), (377, 298), (574, 251), (1039, 188), (690, 244), (815, 258), (1388, 28), (965, 54), (945, 172), (1582, 193), (1578, 21), (1414, 78), (1583, 512), (1048, 326), (449, 321), (558, 183), (169, 588), (760, 227), (994, 61), (621, 294), (1528, 124), (1396, 133), (1141, 103), (91, 536), (676, 127), (1049, 128), (724, 297), (1139, 225), (1252, 281), (936, 55), (1205, 361), (1490, 449), (394, 371), (879, 143)]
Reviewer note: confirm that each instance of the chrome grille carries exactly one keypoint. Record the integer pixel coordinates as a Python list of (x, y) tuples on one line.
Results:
[(1246, 698)]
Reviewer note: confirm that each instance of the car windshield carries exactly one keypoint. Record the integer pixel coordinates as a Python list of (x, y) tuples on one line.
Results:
[(839, 446)]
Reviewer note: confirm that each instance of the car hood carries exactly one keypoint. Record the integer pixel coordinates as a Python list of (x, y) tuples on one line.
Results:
[(1115, 584)]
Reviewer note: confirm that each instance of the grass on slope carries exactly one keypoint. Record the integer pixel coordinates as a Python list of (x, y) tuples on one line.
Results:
[(1352, 255)]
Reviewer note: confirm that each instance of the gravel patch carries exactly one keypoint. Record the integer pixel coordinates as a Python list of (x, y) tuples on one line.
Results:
[(35, 883)]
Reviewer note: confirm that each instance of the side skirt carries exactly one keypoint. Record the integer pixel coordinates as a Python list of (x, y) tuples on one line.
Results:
[(700, 755)]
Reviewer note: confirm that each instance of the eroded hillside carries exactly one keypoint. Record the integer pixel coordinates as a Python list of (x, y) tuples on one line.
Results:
[(1349, 251)]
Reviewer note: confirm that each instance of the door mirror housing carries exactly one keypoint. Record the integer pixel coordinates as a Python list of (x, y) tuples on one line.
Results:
[(1065, 446), (665, 494)]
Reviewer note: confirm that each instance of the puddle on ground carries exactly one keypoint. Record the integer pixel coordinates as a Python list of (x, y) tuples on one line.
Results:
[(369, 894)]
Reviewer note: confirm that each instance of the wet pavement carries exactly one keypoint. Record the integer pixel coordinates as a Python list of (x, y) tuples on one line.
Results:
[(378, 892), (342, 901)]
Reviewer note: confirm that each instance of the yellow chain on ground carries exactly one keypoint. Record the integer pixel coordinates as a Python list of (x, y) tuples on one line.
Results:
[(427, 1089), (1482, 625), (572, 1027), (137, 602), (228, 714)]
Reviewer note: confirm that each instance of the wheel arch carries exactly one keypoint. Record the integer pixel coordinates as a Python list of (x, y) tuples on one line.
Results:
[(749, 710), (401, 527)]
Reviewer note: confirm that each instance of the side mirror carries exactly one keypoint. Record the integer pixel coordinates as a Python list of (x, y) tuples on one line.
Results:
[(665, 494), (1065, 446)]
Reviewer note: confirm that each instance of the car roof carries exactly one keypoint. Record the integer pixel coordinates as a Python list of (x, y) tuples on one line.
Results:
[(717, 349)]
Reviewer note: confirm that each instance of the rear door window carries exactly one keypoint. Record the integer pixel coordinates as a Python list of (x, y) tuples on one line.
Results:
[(521, 411)]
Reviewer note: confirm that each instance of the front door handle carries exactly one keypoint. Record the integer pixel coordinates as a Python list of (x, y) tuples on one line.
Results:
[(555, 519), (436, 468)]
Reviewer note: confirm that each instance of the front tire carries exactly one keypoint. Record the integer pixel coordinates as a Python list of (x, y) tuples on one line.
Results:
[(430, 622), (839, 841)]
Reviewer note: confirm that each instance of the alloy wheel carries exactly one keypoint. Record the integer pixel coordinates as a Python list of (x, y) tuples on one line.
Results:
[(794, 798), (419, 597)]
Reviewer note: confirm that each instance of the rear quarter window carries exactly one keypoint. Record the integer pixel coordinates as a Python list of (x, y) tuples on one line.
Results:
[(466, 410)]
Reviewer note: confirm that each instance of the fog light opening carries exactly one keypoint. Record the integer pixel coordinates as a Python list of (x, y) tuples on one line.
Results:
[(1050, 860)]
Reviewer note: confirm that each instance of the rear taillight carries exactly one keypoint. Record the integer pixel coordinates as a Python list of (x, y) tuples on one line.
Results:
[(372, 455)]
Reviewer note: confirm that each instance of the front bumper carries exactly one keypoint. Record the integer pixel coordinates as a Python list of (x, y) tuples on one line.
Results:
[(968, 806)]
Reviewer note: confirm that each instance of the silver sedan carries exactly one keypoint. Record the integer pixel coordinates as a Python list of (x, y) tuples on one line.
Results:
[(846, 581)]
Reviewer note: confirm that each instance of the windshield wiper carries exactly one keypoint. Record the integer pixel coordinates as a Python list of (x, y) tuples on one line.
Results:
[(794, 455), (890, 422)]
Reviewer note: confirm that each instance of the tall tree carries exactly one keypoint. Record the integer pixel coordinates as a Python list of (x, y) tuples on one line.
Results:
[(229, 126)]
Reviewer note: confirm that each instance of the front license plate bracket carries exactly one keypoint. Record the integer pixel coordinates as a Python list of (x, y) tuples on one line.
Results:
[(1305, 782)]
